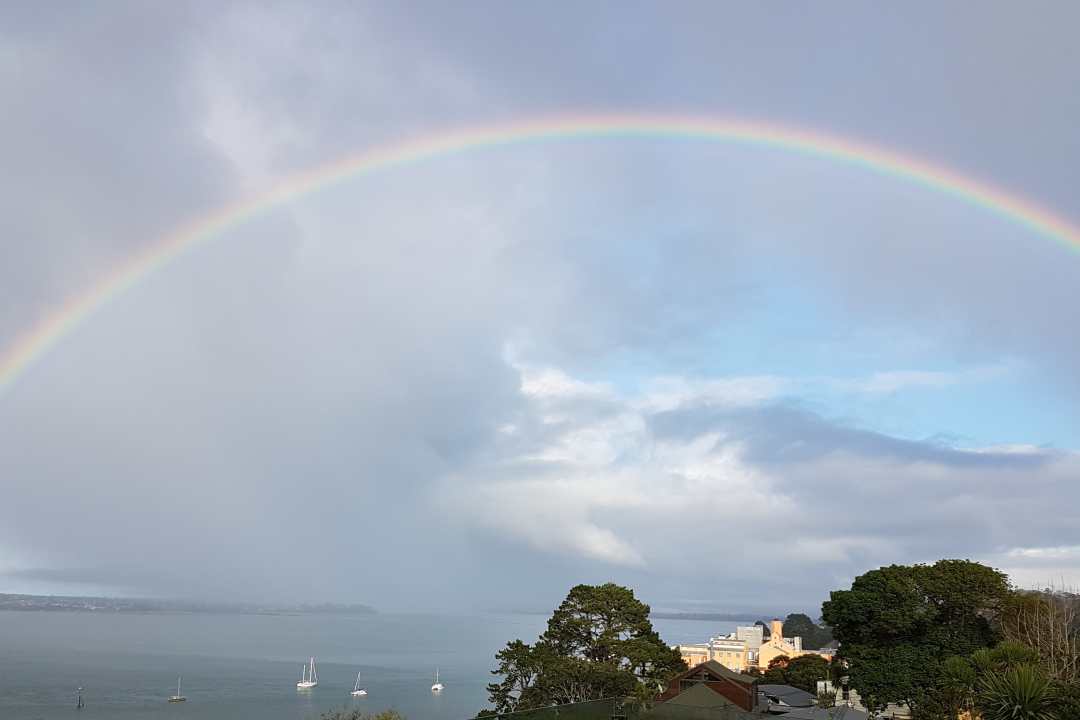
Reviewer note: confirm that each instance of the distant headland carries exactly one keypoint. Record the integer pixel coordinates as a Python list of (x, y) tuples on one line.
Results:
[(717, 616), (65, 603)]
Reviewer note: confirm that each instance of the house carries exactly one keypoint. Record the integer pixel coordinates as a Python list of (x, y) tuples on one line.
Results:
[(701, 697), (779, 646), (840, 712), (781, 698), (737, 651), (732, 653), (695, 654), (728, 651), (747, 648), (754, 637), (849, 698), (738, 689)]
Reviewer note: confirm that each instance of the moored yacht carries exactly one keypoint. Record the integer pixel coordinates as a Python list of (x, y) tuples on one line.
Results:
[(178, 697), (358, 691), (309, 678)]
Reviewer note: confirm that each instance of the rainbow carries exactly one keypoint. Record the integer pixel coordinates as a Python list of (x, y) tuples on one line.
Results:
[(50, 330)]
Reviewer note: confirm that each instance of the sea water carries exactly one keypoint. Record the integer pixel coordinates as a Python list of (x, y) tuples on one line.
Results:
[(246, 666)]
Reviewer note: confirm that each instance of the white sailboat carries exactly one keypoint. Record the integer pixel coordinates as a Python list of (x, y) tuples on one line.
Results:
[(178, 697), (438, 686), (309, 677), (358, 691)]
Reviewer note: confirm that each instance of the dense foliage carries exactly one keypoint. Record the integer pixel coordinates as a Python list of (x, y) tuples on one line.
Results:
[(1003, 683), (801, 672), (599, 643), (898, 624), (814, 636), (954, 640), (358, 714)]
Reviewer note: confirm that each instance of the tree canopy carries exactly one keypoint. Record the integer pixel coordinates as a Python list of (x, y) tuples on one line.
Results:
[(896, 625), (814, 636), (599, 643)]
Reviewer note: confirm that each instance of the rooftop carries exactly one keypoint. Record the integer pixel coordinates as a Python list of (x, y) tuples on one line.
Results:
[(787, 695)]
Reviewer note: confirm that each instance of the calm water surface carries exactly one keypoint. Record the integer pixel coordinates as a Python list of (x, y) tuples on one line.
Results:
[(246, 666)]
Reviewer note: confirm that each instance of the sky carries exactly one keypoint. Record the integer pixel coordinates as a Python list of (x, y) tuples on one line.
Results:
[(731, 376)]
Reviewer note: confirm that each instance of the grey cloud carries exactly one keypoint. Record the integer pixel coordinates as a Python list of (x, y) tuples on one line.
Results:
[(101, 146), (333, 377), (846, 500), (781, 434)]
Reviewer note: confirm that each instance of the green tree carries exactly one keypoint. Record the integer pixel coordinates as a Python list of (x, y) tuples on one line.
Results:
[(814, 636), (954, 692), (599, 643), (519, 666), (776, 673), (897, 624), (1003, 657), (1022, 693), (358, 714), (804, 672), (606, 624)]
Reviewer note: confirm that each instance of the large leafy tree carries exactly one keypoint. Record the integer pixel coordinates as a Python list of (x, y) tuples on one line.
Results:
[(813, 636), (804, 672), (598, 643), (897, 624)]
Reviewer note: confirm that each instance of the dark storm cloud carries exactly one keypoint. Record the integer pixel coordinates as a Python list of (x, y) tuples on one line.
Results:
[(101, 143)]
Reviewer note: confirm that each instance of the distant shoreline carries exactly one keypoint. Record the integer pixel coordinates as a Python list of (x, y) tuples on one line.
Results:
[(708, 616), (66, 603), (722, 617)]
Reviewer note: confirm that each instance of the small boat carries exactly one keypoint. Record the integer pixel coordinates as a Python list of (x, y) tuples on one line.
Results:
[(438, 686), (358, 691), (309, 678), (78, 701), (178, 697)]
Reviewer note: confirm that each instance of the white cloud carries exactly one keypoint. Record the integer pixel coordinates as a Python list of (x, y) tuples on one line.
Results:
[(670, 392), (896, 380), (1067, 552), (630, 479)]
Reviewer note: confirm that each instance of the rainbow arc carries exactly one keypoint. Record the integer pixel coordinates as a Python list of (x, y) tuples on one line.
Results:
[(39, 339)]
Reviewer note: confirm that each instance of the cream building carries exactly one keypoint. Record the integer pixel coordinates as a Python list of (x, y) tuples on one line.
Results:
[(729, 650), (747, 648), (779, 646), (695, 654)]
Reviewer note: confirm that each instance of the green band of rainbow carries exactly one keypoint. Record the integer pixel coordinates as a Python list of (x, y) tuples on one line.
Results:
[(49, 331)]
